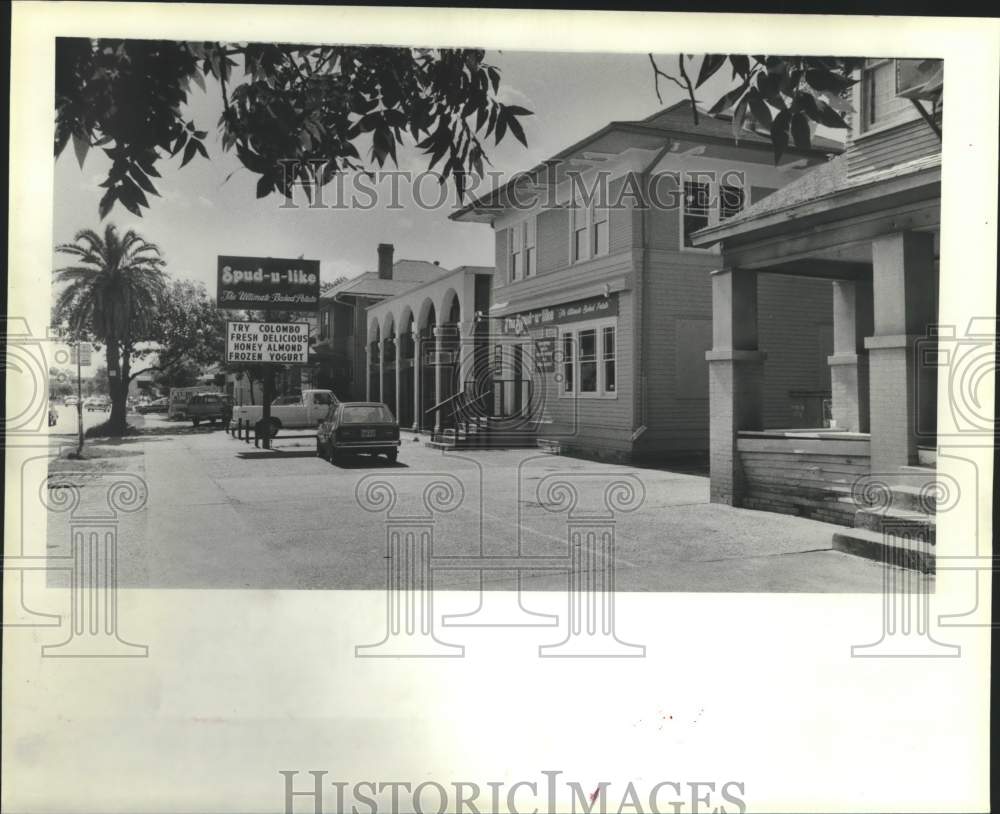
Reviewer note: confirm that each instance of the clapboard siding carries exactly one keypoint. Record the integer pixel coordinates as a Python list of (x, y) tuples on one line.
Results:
[(805, 477), (897, 145)]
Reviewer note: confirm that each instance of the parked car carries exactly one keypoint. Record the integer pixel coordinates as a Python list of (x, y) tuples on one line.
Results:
[(102, 403), (352, 427), (71, 401), (289, 412), (209, 407), (155, 406)]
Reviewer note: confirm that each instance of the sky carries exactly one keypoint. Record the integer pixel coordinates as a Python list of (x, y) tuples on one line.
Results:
[(201, 215)]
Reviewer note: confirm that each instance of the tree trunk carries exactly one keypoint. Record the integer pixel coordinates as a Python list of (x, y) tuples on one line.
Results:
[(116, 423)]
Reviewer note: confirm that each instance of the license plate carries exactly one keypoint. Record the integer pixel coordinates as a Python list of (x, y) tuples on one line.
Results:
[(367, 434)]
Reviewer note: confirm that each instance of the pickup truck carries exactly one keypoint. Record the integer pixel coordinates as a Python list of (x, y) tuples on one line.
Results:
[(289, 412)]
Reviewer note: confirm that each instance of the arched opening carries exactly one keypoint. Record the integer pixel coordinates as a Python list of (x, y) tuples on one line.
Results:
[(406, 347), (387, 391), (374, 335)]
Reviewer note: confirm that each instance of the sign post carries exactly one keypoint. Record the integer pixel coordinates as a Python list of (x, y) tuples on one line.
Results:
[(81, 351), (267, 284)]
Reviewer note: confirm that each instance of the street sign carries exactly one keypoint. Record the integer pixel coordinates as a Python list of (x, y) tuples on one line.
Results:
[(267, 342), (84, 349), (267, 284)]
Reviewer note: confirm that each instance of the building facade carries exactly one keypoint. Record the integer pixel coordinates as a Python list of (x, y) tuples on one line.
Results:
[(602, 303), (340, 354), (867, 226)]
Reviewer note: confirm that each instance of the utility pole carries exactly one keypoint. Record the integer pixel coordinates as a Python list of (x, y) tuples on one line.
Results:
[(79, 403)]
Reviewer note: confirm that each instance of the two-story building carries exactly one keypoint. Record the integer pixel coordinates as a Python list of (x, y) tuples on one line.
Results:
[(340, 354), (867, 226), (602, 302)]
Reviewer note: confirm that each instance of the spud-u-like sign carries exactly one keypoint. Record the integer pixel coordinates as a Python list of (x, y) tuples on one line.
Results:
[(268, 284), (261, 342)]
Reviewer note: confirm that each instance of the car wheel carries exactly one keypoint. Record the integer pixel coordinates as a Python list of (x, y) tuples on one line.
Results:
[(320, 452), (335, 456), (196, 421), (392, 455)]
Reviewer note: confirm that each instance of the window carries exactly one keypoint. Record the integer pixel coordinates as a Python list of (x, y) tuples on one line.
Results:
[(879, 102), (580, 246), (590, 230), (696, 207), (516, 252), (608, 357), (589, 360), (366, 414), (567, 363), (530, 226), (522, 249), (730, 200), (322, 398), (600, 231)]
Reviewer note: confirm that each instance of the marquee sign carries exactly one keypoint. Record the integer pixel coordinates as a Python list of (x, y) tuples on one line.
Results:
[(261, 342), (577, 311), (267, 284)]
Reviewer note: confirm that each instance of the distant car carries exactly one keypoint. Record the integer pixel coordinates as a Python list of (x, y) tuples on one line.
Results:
[(156, 406), (209, 407), (352, 427), (102, 403), (71, 401)]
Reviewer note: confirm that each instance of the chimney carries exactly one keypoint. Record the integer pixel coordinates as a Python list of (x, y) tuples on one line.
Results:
[(385, 261)]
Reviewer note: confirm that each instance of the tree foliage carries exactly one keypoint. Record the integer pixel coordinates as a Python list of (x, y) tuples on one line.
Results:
[(785, 96), (188, 334), (292, 113)]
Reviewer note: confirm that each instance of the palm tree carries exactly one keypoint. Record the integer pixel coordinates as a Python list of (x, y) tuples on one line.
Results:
[(111, 292)]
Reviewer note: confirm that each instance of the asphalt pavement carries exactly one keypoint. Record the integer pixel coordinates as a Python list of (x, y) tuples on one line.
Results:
[(223, 514)]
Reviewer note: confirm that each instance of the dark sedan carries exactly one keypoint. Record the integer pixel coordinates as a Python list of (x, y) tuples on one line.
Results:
[(158, 406), (352, 427)]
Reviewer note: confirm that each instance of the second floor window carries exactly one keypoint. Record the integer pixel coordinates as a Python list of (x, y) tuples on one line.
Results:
[(590, 232), (730, 200), (696, 206), (522, 249)]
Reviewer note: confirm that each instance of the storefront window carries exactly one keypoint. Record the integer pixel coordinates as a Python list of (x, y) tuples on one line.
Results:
[(568, 363), (592, 371), (608, 357), (588, 361)]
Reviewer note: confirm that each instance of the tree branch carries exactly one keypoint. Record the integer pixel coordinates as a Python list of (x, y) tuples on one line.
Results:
[(657, 73)]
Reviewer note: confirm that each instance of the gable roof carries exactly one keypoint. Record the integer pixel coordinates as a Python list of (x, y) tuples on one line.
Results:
[(406, 274), (673, 122)]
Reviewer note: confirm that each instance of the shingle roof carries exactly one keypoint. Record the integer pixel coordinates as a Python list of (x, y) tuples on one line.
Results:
[(406, 274), (671, 122), (822, 181)]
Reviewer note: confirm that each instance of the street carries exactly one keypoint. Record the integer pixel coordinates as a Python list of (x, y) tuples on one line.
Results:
[(222, 514)]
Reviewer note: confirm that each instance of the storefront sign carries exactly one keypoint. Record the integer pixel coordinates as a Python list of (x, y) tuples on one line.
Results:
[(268, 284), (545, 354), (261, 342), (577, 311)]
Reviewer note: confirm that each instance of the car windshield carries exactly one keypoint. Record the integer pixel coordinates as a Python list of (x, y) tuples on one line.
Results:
[(366, 414), (322, 398), (280, 400)]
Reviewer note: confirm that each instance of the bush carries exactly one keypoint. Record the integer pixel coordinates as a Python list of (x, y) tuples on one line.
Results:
[(103, 430)]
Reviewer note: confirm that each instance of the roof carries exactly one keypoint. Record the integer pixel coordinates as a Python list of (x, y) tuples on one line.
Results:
[(674, 122), (827, 181), (406, 274)]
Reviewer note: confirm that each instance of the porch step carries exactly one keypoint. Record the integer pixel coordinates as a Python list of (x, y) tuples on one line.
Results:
[(914, 553), (891, 521)]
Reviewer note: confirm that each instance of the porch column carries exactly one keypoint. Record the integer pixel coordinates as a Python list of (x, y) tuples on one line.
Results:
[(381, 368), (438, 378), (735, 373), (852, 322), (399, 366), (901, 389), (368, 371), (418, 375)]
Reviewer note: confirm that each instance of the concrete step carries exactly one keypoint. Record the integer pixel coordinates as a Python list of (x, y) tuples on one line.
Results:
[(914, 554), (897, 521)]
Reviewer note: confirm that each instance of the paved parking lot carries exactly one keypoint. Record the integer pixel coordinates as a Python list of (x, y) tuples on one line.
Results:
[(222, 514)]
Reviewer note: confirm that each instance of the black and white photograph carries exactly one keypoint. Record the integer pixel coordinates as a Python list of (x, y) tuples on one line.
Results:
[(431, 411)]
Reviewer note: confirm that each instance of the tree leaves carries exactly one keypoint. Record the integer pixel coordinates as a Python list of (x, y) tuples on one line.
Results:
[(290, 103), (709, 65)]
